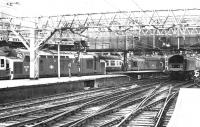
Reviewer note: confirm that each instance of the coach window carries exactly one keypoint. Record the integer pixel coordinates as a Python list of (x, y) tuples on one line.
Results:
[(119, 63), (112, 63), (2, 62)]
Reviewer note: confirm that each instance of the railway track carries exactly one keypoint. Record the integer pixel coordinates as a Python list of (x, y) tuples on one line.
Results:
[(34, 111), (163, 121), (57, 97), (52, 100), (141, 111), (116, 114), (47, 108), (131, 105), (90, 108), (152, 114), (20, 106), (167, 111)]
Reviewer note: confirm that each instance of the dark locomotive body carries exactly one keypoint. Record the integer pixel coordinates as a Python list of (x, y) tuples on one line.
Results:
[(4, 69), (182, 67), (19, 66), (146, 63)]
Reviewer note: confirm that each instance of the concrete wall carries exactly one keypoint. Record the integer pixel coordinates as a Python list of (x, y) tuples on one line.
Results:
[(113, 81), (27, 92)]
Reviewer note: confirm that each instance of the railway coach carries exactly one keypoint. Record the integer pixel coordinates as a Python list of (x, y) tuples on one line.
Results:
[(113, 63)]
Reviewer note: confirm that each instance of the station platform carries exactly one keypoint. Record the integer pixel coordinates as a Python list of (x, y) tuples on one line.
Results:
[(142, 73), (21, 89), (137, 72), (187, 111), (46, 81)]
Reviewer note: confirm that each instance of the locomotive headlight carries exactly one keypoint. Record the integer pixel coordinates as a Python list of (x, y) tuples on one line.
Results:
[(51, 67)]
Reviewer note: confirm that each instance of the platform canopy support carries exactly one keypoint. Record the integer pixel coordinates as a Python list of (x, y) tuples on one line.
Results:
[(34, 57)]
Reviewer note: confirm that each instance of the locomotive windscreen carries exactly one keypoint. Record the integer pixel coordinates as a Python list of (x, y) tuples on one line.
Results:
[(176, 59)]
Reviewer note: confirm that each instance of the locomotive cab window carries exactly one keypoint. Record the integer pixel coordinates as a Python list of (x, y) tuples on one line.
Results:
[(134, 64), (2, 64), (27, 59)]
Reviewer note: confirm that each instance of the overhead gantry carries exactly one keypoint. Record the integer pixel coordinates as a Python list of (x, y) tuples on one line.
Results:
[(35, 32)]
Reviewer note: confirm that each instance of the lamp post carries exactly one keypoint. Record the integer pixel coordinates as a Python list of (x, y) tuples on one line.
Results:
[(59, 53)]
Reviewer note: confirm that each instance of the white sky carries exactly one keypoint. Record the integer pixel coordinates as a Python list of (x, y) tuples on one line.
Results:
[(59, 7)]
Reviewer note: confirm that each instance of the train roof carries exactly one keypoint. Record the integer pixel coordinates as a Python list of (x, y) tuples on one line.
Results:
[(2, 53), (180, 58), (20, 53), (55, 53), (153, 57), (176, 59), (110, 57), (143, 58), (137, 58), (15, 59)]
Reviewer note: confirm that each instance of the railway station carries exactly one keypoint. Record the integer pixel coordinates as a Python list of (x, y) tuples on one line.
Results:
[(100, 63)]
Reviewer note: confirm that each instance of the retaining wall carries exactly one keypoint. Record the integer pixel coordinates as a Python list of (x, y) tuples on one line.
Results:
[(40, 90)]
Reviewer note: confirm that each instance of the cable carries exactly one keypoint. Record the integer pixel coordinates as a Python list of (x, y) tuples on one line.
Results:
[(137, 5), (23, 26), (7, 15)]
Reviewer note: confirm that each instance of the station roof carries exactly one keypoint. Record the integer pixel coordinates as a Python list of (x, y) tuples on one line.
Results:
[(46, 7), (105, 22)]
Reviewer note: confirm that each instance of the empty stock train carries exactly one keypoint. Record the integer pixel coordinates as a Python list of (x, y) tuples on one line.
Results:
[(113, 63), (135, 63)]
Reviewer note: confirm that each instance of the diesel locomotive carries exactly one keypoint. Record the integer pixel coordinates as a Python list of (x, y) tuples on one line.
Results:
[(182, 66), (143, 63), (18, 65)]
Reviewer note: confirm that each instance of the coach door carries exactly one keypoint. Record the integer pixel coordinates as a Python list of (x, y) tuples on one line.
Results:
[(103, 67)]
